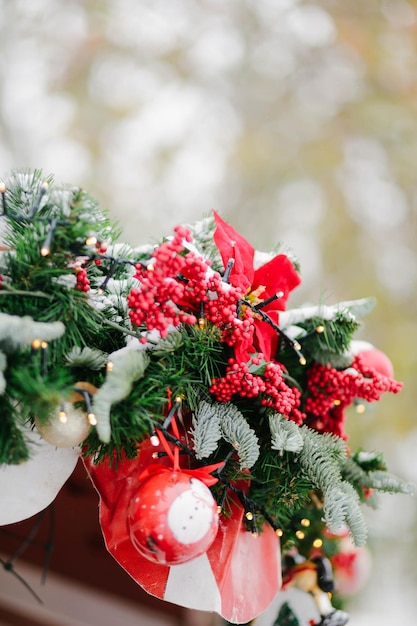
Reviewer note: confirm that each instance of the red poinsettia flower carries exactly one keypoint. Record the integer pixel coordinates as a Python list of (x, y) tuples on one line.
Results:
[(277, 276)]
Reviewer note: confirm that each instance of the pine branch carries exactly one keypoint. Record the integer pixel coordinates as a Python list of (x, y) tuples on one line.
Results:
[(214, 421), (86, 358), (205, 430), (285, 434), (389, 483), (379, 479), (321, 458), (236, 431), (13, 446), (342, 508)]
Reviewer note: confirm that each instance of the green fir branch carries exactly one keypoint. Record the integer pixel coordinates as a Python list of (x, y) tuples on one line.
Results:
[(389, 483), (279, 483), (86, 357), (378, 480), (13, 446), (285, 434), (236, 431), (211, 422), (8, 290), (169, 344), (205, 431), (342, 508), (321, 459)]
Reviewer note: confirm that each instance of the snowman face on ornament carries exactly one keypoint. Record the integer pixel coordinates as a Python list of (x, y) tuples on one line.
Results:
[(172, 518)]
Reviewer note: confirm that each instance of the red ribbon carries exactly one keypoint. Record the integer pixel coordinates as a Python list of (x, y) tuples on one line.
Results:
[(202, 473)]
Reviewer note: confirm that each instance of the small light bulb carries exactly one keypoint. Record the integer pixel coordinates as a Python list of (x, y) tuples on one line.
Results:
[(305, 522), (320, 329), (360, 408), (2, 187), (155, 440), (300, 534), (255, 534), (109, 366), (219, 509), (62, 416), (36, 344), (178, 399), (44, 345), (337, 402), (302, 360), (249, 515), (201, 322), (317, 543), (297, 346), (91, 240), (45, 250), (279, 532), (92, 419), (154, 455)]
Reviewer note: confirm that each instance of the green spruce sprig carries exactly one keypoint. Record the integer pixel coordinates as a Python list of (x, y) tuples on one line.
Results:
[(321, 458), (211, 422), (366, 481)]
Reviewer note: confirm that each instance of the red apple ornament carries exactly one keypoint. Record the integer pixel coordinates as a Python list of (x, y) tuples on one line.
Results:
[(172, 518)]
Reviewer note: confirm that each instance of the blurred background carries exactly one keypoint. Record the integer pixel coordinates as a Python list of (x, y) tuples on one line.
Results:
[(296, 120)]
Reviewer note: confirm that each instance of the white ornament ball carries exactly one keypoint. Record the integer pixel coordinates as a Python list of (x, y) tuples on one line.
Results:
[(64, 434)]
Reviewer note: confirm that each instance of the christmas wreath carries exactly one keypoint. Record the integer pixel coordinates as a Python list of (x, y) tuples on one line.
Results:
[(209, 415)]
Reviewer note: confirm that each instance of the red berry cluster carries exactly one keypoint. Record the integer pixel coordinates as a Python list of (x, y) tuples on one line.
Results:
[(278, 395), (221, 302), (175, 285), (331, 391), (82, 282), (221, 309), (154, 302), (194, 275), (270, 387)]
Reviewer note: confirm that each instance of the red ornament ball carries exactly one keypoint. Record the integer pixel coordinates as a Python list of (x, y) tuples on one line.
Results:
[(173, 518), (372, 357)]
